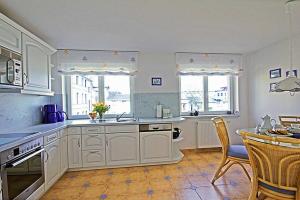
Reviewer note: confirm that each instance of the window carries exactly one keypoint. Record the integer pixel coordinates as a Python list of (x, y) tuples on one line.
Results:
[(192, 93), (114, 90), (117, 94), (210, 94)]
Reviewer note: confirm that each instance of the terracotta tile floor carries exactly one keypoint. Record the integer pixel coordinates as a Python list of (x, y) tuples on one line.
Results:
[(187, 180)]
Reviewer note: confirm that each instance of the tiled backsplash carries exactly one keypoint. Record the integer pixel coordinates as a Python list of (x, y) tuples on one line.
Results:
[(18, 111), (145, 103)]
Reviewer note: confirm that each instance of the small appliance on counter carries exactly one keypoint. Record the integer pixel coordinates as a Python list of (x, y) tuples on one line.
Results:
[(53, 113), (166, 113), (176, 133)]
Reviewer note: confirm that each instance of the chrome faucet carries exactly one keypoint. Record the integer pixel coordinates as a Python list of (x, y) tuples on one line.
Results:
[(118, 117)]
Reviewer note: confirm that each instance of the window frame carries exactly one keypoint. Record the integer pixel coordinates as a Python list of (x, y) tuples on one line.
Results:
[(101, 98), (233, 87)]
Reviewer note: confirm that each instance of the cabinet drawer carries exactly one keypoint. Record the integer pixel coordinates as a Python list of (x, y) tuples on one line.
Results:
[(93, 158), (93, 141), (50, 138), (74, 131), (63, 133), (122, 129), (93, 129)]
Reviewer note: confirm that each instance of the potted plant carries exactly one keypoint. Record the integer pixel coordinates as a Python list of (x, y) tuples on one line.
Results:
[(100, 108)]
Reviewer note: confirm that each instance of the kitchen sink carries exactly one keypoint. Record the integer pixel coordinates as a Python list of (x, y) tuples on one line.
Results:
[(127, 120)]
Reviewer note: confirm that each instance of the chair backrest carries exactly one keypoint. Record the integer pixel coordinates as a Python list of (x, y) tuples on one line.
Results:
[(288, 120), (222, 132), (273, 163)]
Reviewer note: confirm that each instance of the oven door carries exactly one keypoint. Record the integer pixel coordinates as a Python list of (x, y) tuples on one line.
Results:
[(21, 177)]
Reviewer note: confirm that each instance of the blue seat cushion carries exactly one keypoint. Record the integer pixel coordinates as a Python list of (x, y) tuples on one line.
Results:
[(296, 135), (238, 151), (275, 189)]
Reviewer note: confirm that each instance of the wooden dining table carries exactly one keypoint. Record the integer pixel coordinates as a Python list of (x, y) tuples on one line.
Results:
[(254, 130)]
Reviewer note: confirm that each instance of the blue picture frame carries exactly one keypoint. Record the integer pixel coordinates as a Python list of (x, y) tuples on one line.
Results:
[(275, 73), (156, 81), (294, 71)]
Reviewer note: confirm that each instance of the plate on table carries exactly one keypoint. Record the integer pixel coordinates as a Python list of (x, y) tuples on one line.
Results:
[(279, 133), (294, 130)]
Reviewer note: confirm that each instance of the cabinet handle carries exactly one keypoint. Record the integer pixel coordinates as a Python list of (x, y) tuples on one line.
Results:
[(92, 130), (106, 142), (78, 142), (26, 79), (47, 156)]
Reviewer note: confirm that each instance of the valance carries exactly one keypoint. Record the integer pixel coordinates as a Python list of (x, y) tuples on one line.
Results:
[(89, 62), (208, 64)]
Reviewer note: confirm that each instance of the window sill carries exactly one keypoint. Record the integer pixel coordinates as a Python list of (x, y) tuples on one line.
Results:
[(210, 116)]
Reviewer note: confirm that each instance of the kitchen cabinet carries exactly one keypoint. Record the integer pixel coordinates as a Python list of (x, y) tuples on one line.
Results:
[(36, 67), (122, 129), (122, 148), (10, 37), (52, 163), (74, 151), (155, 146), (63, 143), (93, 158), (93, 141)]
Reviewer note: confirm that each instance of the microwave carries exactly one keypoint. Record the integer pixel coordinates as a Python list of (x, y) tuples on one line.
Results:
[(11, 73)]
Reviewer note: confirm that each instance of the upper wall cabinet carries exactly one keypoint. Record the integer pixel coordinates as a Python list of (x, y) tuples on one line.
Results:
[(36, 67), (10, 37), (36, 56)]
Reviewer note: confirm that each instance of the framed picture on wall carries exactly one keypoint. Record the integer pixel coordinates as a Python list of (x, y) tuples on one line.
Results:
[(272, 87), (294, 72), (156, 81), (275, 73)]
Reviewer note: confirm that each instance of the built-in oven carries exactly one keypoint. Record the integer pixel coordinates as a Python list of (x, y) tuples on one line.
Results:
[(22, 170), (11, 73)]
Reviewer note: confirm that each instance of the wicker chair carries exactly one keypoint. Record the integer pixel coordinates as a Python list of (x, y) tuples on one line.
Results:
[(276, 169), (232, 154), (288, 120)]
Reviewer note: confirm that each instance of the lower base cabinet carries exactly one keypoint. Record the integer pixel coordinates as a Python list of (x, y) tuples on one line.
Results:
[(52, 164), (122, 148), (93, 158), (156, 146), (74, 151), (63, 142)]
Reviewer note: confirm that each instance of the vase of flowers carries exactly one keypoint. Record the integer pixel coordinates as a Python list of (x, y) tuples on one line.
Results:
[(100, 108)]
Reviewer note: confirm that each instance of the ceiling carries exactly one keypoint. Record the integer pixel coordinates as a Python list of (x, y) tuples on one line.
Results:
[(215, 26)]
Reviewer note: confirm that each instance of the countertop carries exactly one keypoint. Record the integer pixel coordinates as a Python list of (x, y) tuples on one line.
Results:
[(45, 129)]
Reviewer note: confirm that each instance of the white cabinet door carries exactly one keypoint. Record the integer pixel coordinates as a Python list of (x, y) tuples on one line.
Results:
[(74, 151), (93, 141), (36, 66), (63, 142), (93, 158), (52, 164), (10, 37), (122, 148), (156, 146)]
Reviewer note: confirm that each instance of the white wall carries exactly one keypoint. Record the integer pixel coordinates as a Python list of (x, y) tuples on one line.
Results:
[(261, 101), (156, 65)]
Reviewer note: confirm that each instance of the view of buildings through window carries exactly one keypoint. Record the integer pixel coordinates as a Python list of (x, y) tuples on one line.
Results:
[(113, 90), (194, 88), (85, 92)]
